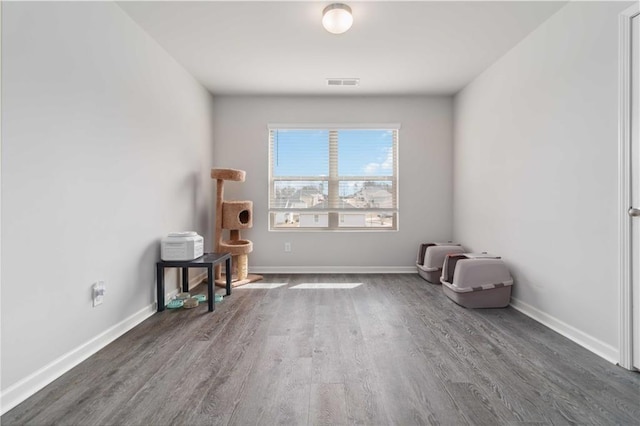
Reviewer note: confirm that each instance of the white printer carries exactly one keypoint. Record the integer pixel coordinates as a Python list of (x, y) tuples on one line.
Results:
[(182, 246)]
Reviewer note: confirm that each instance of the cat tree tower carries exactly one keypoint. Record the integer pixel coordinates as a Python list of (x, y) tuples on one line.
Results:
[(234, 216)]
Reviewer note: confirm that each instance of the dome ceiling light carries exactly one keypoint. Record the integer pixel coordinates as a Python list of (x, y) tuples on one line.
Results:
[(337, 18)]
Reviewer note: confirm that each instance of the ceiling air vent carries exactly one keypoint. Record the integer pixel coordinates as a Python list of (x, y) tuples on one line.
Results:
[(343, 82)]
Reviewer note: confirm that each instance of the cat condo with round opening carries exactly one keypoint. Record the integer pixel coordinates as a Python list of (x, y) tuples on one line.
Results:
[(233, 216)]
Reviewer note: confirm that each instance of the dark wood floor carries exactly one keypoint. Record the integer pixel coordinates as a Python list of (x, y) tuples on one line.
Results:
[(391, 351)]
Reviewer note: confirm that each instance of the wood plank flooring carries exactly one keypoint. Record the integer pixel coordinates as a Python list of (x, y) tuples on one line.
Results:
[(393, 351)]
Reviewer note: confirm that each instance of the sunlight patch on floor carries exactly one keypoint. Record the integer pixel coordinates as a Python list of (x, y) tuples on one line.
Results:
[(260, 285), (326, 285)]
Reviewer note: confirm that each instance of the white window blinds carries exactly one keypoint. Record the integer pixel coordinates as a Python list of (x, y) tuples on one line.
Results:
[(333, 177)]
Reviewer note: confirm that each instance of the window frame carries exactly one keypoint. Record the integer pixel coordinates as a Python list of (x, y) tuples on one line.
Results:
[(333, 181)]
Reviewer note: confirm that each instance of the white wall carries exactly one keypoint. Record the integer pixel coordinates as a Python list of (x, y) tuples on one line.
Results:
[(106, 147), (535, 175), (425, 160)]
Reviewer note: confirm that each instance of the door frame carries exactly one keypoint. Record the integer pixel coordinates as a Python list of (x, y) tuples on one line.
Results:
[(624, 193)]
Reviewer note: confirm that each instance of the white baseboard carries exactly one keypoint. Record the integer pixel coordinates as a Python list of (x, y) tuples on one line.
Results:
[(333, 270), (596, 346), (20, 391)]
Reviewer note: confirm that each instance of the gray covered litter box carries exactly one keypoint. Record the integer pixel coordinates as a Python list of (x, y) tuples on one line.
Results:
[(476, 280), (431, 257)]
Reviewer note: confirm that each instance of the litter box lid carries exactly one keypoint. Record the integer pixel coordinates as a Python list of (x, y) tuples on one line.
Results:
[(483, 255), (480, 272), (435, 255)]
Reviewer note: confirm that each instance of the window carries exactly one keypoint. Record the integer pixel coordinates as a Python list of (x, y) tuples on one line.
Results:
[(333, 177)]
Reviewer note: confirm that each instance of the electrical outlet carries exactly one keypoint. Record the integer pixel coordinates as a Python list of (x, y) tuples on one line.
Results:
[(287, 247), (99, 290)]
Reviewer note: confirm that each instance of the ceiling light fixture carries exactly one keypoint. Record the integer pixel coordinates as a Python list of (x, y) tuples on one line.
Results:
[(337, 18)]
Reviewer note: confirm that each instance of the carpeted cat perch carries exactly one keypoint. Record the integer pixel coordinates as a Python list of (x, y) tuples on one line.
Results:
[(234, 216)]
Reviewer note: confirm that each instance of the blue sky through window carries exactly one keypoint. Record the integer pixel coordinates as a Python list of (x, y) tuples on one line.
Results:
[(301, 153), (306, 153), (365, 153)]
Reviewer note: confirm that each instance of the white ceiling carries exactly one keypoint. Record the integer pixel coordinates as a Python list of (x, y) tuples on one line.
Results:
[(265, 47)]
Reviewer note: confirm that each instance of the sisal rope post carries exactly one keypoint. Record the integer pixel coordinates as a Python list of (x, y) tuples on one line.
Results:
[(218, 225), (243, 266)]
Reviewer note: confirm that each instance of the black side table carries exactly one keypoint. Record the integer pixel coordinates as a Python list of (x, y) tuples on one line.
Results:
[(208, 260)]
